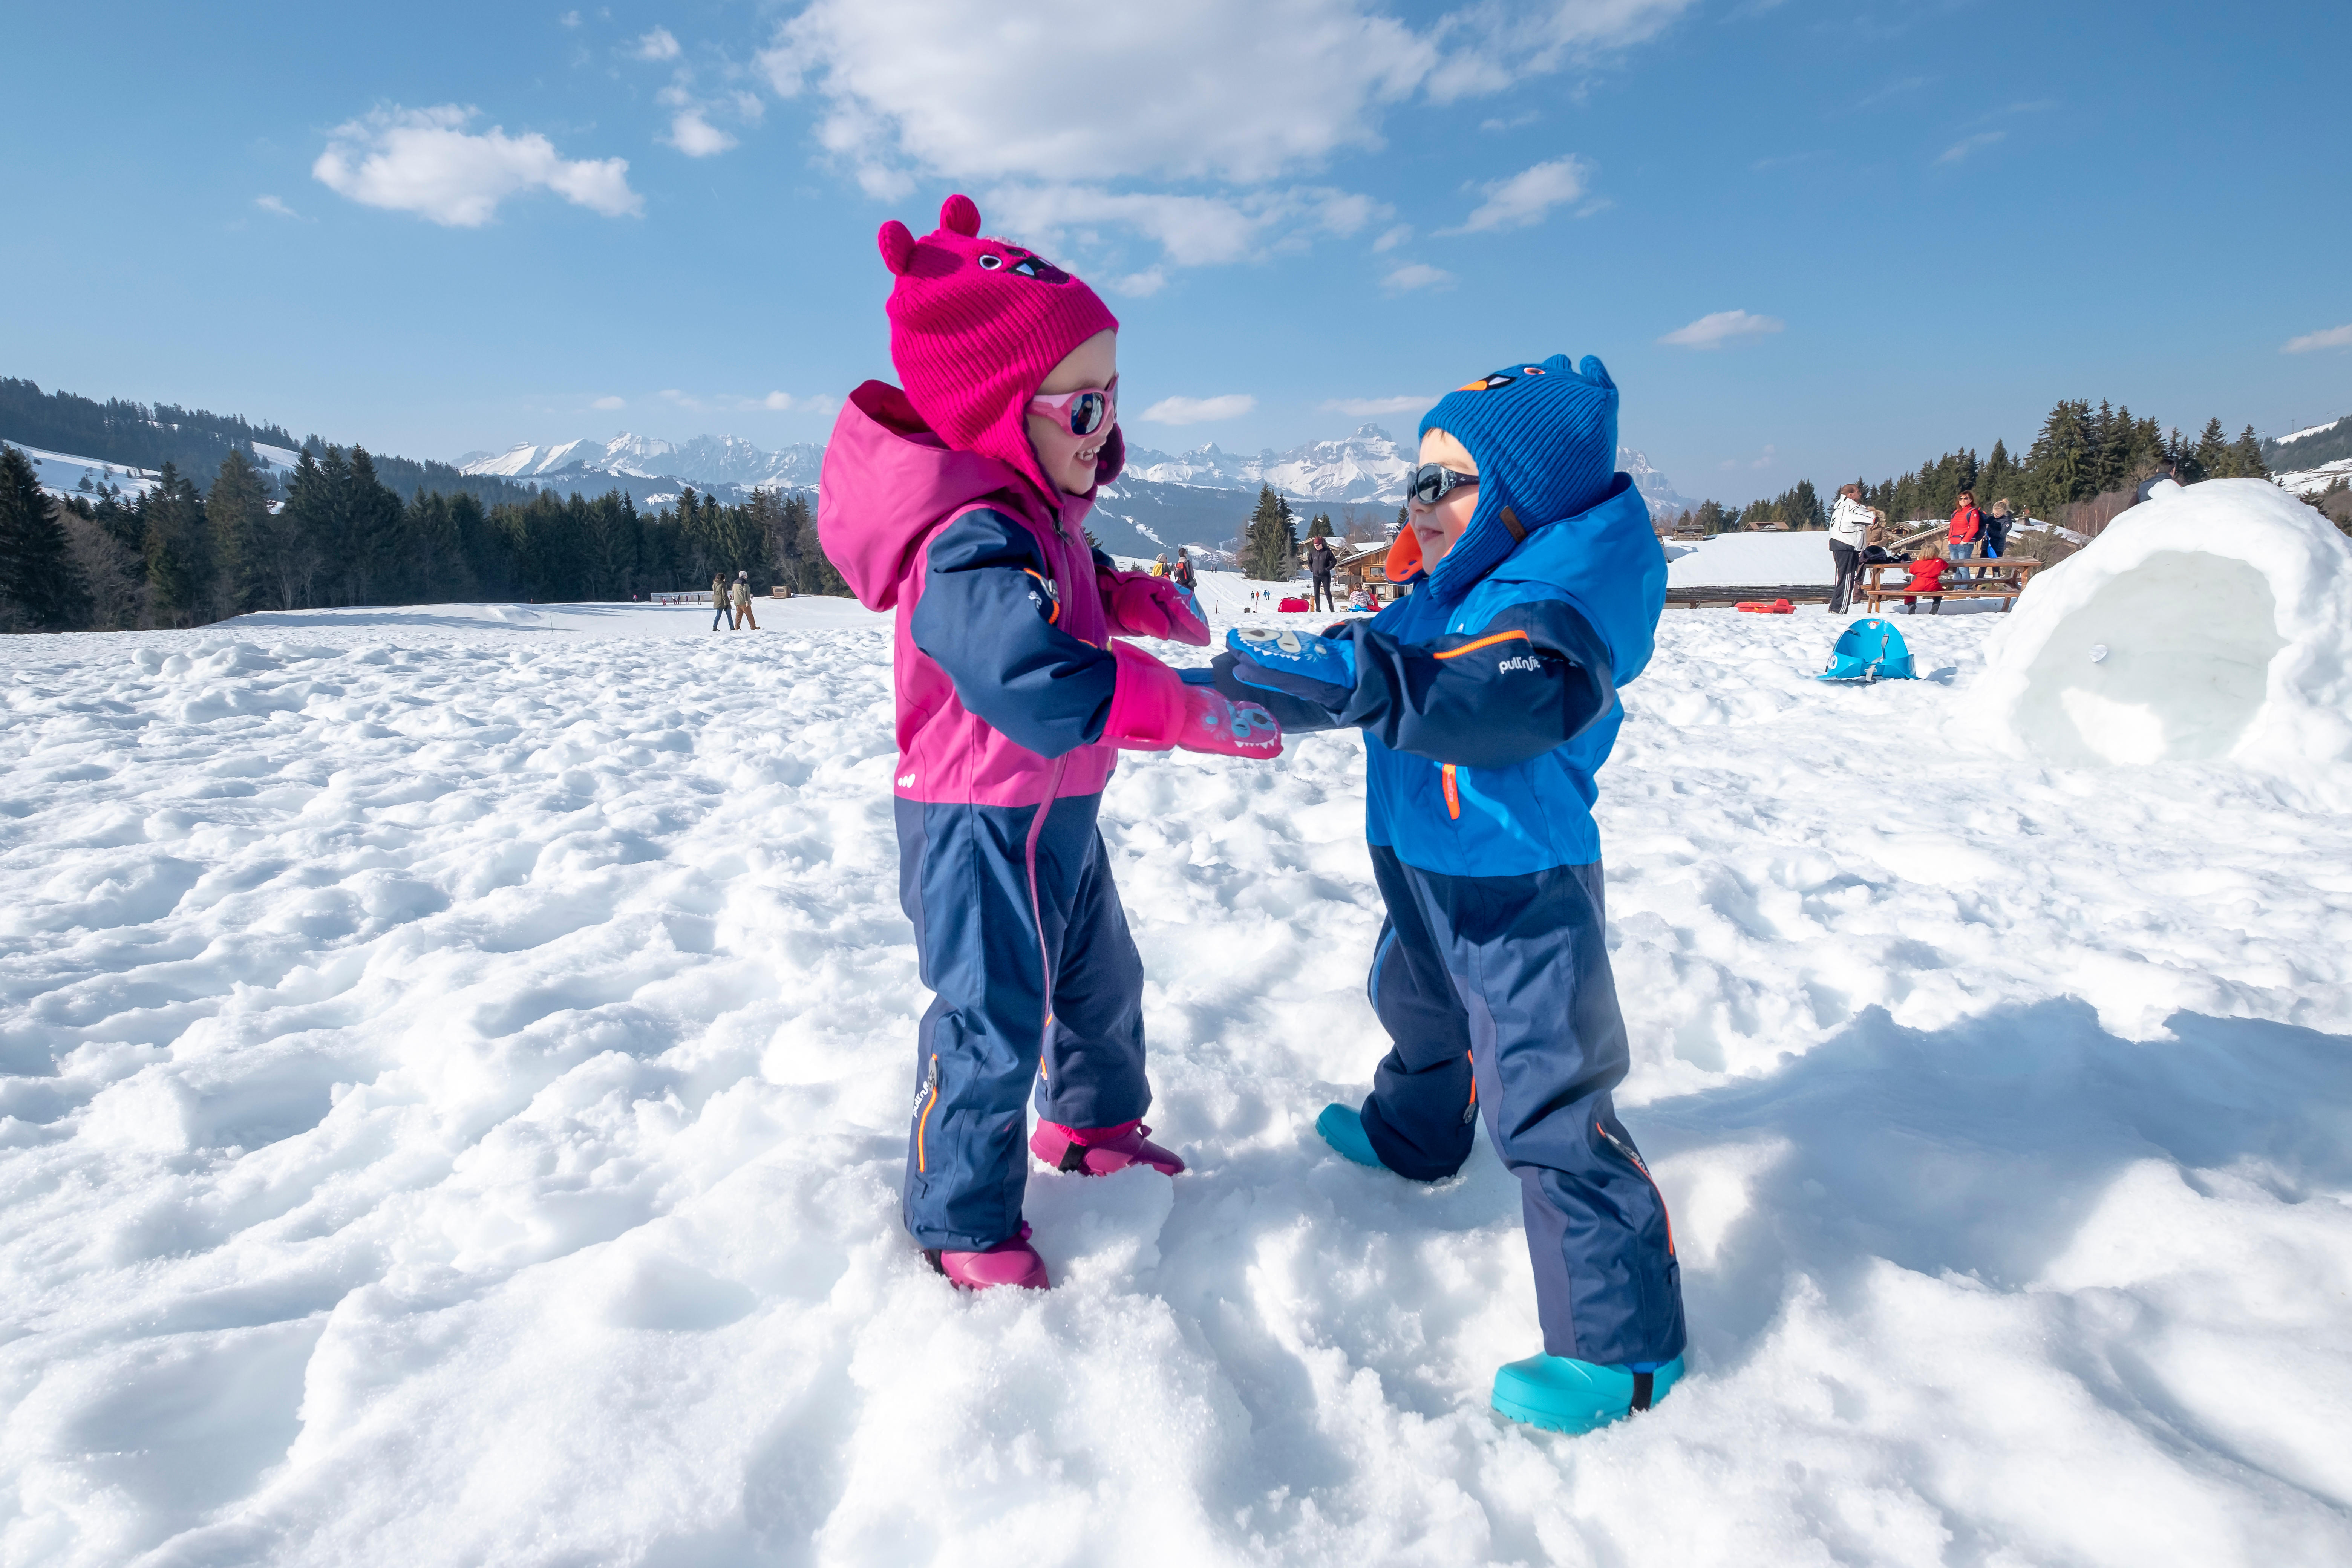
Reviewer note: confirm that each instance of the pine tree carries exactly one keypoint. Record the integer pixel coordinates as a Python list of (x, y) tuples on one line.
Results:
[(2213, 454), (375, 560), (172, 519), (237, 512), (2061, 467), (1270, 546), (40, 586), (818, 573), (2246, 454), (1999, 477), (1321, 527)]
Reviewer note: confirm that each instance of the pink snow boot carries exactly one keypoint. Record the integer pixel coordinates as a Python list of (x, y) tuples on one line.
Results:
[(1099, 1151), (1013, 1262)]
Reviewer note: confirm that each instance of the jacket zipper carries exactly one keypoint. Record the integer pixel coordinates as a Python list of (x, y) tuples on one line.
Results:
[(1453, 792), (1470, 1112), (1635, 1161), (923, 1126)]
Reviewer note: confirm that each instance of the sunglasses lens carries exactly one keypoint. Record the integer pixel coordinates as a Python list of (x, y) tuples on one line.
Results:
[(1426, 481), (1087, 413)]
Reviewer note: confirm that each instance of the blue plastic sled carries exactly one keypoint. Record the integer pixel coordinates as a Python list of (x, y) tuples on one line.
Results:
[(1869, 650)]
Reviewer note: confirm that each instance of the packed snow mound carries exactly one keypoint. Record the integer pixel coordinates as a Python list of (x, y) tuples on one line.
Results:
[(2209, 623)]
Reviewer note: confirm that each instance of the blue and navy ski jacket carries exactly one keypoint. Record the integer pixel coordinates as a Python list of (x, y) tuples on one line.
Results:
[(1486, 717)]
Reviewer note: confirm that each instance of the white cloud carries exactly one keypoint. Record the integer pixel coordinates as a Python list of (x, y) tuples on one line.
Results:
[(1141, 285), (1378, 407), (1416, 275), (1968, 144), (697, 137), (1493, 45), (272, 205), (2333, 337), (1527, 196), (1392, 238), (1712, 331), (1199, 410), (1195, 150), (423, 161), (948, 87), (1194, 231), (659, 45), (570, 18), (609, 404), (729, 403)]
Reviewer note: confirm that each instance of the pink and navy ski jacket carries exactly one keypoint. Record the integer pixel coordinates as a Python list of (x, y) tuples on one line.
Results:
[(1001, 661)]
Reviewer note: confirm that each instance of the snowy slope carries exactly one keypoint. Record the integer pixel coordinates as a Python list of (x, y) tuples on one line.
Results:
[(61, 473), (456, 1072), (2311, 481), (1750, 561)]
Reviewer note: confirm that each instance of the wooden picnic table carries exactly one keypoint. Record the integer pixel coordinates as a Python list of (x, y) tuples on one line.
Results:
[(2004, 578)]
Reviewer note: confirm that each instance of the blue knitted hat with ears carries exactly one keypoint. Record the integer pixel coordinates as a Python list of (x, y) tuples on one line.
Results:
[(1544, 436)]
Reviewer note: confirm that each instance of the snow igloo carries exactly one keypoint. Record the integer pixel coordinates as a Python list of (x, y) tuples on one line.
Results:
[(2207, 623)]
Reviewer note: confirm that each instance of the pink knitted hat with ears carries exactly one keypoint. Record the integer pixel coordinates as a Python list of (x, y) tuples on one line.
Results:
[(976, 325)]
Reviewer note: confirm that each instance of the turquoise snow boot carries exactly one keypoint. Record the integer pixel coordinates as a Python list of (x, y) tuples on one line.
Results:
[(1343, 1127), (1563, 1396)]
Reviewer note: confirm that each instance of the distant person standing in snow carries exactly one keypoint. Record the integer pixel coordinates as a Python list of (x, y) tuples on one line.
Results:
[(1160, 566), (2168, 472), (1488, 700), (1320, 560), (719, 607), (1965, 533), (1996, 528), (743, 602), (959, 503), (1849, 532), (1182, 572)]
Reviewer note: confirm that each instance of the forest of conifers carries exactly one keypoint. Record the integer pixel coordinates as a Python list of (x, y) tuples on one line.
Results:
[(172, 557)]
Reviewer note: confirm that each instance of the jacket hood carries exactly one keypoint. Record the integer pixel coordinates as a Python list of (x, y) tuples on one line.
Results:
[(888, 480), (1609, 562)]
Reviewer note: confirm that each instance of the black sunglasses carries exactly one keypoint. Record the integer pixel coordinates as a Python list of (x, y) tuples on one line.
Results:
[(1429, 483)]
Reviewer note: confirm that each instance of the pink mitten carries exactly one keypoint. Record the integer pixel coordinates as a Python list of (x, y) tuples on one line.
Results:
[(1152, 708), (1142, 606)]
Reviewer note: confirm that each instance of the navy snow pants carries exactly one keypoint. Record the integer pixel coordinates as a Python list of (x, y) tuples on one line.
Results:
[(1498, 995), (1021, 939)]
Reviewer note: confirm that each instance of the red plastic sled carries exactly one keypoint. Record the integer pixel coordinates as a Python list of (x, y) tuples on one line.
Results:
[(1758, 607), (1292, 606)]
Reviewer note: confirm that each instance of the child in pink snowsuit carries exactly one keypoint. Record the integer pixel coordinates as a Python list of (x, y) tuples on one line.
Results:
[(958, 502)]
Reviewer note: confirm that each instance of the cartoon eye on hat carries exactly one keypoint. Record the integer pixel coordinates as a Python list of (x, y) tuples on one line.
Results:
[(990, 263), (1488, 382)]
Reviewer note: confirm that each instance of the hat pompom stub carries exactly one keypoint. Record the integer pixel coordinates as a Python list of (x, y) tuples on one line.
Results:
[(897, 246)]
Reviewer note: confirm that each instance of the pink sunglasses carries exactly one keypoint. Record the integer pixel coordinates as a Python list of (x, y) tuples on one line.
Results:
[(1082, 412)]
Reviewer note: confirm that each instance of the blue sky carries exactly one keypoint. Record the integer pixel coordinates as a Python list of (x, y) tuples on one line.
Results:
[(1811, 238)]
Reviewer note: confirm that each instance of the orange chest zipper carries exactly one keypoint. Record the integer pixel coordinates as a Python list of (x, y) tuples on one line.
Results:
[(1453, 792)]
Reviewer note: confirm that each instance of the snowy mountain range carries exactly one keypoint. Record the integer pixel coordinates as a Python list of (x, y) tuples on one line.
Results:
[(707, 462), (1368, 467)]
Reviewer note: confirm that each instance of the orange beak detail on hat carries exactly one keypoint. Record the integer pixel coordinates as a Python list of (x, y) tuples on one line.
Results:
[(1404, 557)]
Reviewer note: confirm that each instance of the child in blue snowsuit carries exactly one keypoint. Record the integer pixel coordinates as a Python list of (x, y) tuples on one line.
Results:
[(1487, 698)]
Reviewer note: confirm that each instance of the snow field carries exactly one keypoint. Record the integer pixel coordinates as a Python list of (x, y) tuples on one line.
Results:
[(456, 1073)]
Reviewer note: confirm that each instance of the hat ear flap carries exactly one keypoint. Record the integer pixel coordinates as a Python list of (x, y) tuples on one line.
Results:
[(1594, 371), (959, 215), (897, 246)]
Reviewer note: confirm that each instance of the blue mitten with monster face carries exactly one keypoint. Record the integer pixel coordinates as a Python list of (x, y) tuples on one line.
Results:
[(1318, 669)]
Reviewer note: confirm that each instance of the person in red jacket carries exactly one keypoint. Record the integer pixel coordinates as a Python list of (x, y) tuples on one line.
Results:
[(1967, 533), (1927, 571)]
